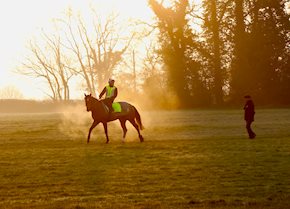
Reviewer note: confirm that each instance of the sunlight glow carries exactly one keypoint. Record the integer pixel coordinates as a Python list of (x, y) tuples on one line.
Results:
[(22, 20)]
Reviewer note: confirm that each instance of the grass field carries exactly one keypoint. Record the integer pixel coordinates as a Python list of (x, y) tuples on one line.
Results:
[(190, 159)]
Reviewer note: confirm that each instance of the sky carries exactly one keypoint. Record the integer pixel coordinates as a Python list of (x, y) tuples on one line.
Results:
[(21, 20)]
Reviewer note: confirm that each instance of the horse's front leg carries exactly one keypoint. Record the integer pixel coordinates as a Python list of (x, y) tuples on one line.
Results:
[(95, 123), (106, 131)]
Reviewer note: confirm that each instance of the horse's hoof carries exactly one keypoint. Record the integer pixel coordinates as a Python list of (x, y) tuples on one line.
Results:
[(141, 139), (107, 142)]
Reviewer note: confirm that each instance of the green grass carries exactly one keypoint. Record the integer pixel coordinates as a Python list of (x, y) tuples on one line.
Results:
[(190, 159)]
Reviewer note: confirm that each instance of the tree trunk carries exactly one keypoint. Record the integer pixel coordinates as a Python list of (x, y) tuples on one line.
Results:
[(218, 92), (240, 62)]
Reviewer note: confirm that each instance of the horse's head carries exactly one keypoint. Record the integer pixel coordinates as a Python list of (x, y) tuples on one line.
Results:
[(89, 102)]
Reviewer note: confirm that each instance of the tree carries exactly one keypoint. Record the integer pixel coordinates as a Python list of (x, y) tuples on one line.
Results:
[(242, 80), (10, 92), (261, 61), (48, 61), (155, 90), (216, 33), (76, 49), (179, 51), (98, 51), (271, 25), (214, 12)]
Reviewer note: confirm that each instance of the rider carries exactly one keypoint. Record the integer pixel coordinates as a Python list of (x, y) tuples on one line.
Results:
[(111, 93)]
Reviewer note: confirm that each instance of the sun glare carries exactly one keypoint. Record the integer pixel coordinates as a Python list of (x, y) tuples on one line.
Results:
[(23, 20)]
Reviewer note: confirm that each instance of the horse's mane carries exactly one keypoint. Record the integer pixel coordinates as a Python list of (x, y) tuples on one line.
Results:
[(97, 104), (94, 99)]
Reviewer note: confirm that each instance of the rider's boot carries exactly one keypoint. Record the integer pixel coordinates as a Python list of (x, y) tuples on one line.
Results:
[(110, 113)]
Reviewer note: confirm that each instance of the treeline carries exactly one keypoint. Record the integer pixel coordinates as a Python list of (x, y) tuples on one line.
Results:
[(239, 47), (243, 48), (32, 106)]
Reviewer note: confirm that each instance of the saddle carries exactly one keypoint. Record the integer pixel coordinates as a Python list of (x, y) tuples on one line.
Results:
[(116, 106)]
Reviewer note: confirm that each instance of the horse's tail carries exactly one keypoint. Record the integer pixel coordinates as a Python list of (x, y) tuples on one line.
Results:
[(138, 119)]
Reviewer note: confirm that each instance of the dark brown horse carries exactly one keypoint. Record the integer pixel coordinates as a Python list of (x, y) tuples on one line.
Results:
[(100, 114)]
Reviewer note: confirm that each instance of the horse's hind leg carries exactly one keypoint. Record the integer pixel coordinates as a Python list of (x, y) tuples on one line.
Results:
[(123, 124), (133, 122)]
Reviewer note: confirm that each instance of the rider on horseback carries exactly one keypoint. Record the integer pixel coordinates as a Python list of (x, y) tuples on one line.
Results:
[(111, 93)]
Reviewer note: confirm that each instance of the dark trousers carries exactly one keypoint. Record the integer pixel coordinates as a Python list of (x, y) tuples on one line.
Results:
[(249, 129), (108, 102)]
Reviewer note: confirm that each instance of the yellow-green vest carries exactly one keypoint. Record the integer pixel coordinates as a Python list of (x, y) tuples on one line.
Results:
[(110, 91)]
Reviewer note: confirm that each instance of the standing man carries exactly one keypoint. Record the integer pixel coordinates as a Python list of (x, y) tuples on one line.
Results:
[(111, 93), (249, 115)]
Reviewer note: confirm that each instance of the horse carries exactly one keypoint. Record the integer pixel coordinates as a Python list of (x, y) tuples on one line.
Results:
[(100, 114)]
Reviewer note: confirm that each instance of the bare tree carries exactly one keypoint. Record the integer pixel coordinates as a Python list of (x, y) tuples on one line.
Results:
[(90, 51), (98, 51), (155, 85), (10, 92), (48, 61)]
